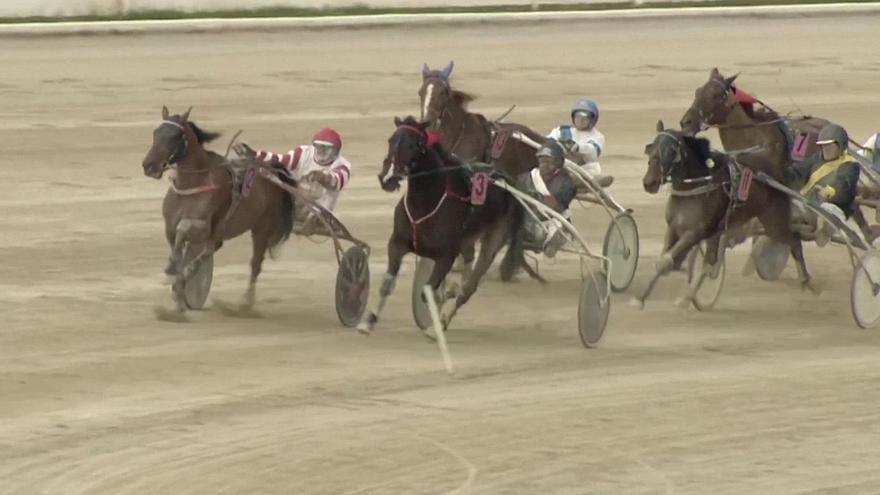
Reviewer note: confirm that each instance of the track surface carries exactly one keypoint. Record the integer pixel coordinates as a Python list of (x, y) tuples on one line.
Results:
[(774, 392)]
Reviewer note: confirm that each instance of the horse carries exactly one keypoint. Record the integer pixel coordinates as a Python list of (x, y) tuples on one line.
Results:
[(469, 135), (707, 200), (203, 205), (719, 103), (472, 137), (435, 218)]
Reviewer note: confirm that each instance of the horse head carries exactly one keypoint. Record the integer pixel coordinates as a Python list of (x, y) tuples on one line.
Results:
[(435, 93), (173, 141), (713, 102), (406, 147), (674, 155)]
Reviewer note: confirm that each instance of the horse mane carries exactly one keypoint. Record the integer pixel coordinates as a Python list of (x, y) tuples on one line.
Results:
[(201, 135), (462, 98)]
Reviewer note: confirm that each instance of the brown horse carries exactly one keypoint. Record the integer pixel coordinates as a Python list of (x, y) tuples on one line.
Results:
[(469, 135), (204, 206), (472, 137), (719, 103), (436, 218), (705, 201)]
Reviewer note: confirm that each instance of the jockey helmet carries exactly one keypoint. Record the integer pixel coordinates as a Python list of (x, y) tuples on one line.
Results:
[(328, 144), (833, 133), (588, 107)]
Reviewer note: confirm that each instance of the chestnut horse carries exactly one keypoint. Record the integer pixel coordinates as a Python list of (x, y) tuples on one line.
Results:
[(206, 204)]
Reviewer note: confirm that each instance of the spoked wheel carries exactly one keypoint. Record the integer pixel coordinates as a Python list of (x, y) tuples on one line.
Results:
[(198, 287), (421, 313), (710, 290), (593, 309), (865, 293), (352, 286), (770, 257), (622, 248)]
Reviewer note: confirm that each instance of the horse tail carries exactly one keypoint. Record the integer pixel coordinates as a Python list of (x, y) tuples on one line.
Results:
[(287, 212)]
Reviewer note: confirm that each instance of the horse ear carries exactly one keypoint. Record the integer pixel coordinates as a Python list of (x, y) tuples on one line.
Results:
[(397, 121), (715, 74), (660, 126), (185, 116), (447, 71), (729, 80), (164, 112), (648, 148), (425, 71)]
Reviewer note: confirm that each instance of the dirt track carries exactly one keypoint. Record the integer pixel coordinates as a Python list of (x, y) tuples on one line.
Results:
[(773, 392)]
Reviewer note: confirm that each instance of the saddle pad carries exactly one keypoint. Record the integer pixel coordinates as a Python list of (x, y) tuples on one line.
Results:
[(745, 183), (479, 188), (802, 142), (499, 143), (250, 176)]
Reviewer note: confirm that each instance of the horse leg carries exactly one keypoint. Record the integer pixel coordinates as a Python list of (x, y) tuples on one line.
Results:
[(184, 232), (711, 265), (260, 242), (777, 223), (171, 237), (859, 216), (397, 248), (683, 244), (490, 244)]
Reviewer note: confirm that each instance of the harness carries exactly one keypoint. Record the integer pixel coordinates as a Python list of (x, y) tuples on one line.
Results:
[(736, 188), (179, 154), (447, 192)]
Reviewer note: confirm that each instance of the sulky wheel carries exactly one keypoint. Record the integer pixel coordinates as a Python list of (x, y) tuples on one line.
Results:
[(198, 286), (622, 248), (710, 290), (865, 292), (770, 257), (352, 286), (593, 309)]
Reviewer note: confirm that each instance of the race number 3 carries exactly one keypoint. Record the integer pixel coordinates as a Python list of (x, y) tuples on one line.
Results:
[(479, 187)]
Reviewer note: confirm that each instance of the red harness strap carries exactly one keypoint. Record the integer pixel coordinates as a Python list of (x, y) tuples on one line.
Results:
[(414, 223)]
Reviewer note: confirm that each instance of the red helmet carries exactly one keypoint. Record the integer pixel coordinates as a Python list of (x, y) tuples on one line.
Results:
[(328, 137)]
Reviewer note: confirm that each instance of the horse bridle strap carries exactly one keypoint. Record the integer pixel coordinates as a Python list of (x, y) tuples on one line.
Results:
[(180, 152)]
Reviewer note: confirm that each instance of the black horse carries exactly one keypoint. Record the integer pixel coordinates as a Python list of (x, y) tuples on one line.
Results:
[(712, 194), (436, 219)]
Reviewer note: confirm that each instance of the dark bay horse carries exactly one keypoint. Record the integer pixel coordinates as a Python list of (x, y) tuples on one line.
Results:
[(706, 201), (719, 103), (435, 218), (203, 207)]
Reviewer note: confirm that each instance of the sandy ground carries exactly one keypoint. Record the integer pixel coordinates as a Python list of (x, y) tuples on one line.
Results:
[(773, 392)]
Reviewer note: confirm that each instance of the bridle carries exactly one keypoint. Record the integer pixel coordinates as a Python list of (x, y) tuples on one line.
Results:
[(180, 151)]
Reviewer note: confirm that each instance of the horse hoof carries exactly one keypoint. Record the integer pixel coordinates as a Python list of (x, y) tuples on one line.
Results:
[(808, 286), (365, 327), (171, 315), (637, 303)]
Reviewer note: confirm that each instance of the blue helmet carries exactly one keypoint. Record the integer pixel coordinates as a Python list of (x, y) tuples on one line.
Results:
[(585, 105)]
